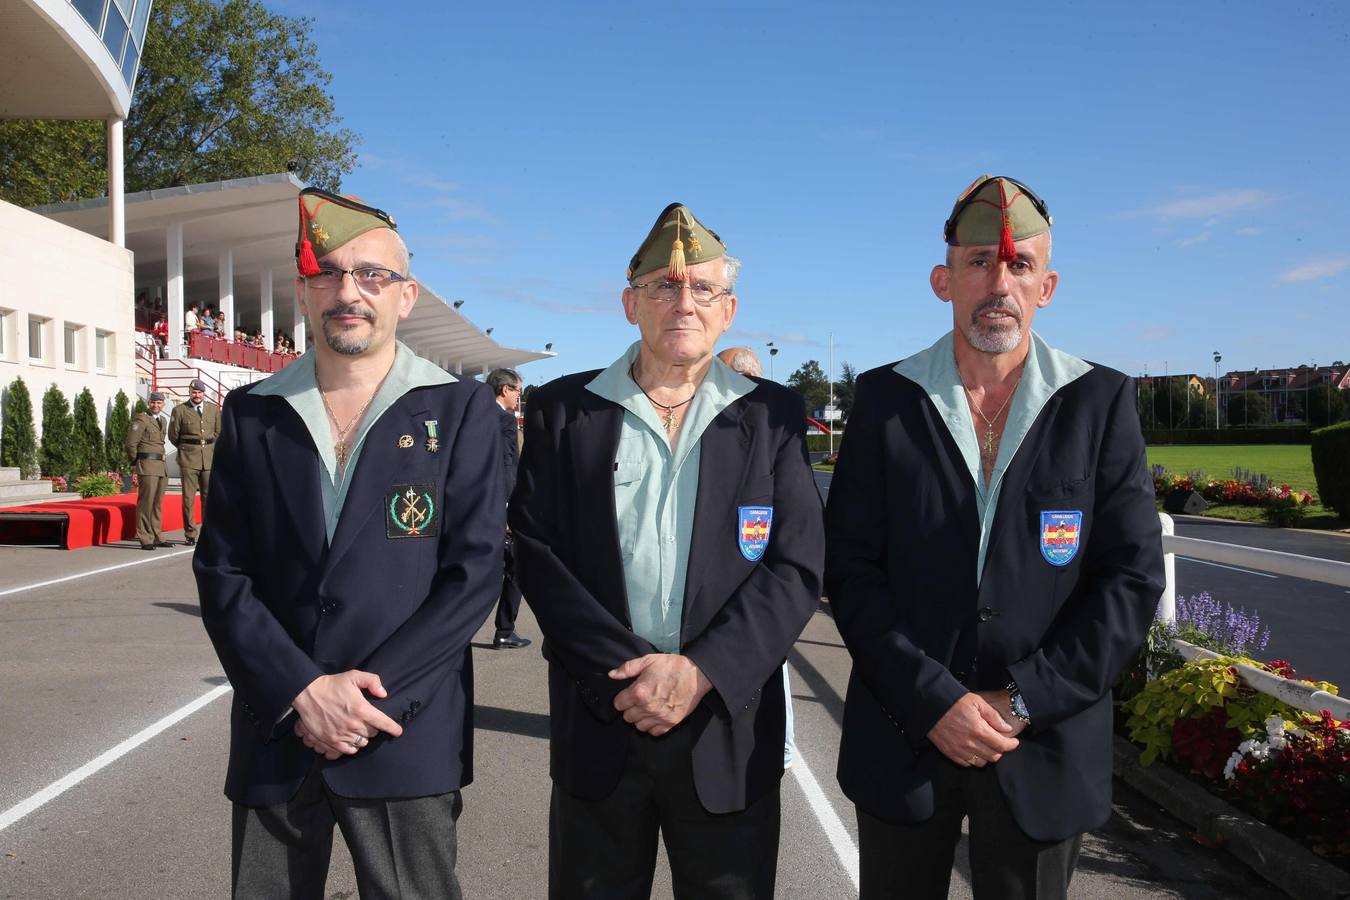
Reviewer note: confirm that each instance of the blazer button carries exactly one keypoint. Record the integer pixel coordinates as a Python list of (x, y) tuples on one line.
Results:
[(415, 705), (986, 614)]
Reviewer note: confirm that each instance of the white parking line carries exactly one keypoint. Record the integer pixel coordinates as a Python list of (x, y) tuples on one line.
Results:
[(1205, 562), (825, 814), (126, 565), (61, 785)]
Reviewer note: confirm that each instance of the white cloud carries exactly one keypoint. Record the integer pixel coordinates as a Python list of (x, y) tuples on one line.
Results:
[(1196, 239), (1316, 270), (1206, 206)]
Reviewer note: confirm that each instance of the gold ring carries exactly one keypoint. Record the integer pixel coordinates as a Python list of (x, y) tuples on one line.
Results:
[(974, 760)]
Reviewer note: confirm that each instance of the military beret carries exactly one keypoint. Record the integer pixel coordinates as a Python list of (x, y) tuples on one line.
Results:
[(996, 210), (156, 395), (676, 240), (327, 221), (196, 385)]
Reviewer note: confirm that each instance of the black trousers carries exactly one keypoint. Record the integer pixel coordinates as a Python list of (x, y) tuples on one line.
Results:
[(606, 849), (401, 848), (508, 607), (915, 861)]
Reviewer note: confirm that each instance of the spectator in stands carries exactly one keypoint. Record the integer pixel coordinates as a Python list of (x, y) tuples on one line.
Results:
[(191, 321), (160, 330), (208, 323), (241, 336)]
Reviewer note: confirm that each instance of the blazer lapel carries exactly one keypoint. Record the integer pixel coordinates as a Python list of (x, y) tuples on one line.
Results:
[(955, 480), (371, 478), (724, 454), (594, 439), (295, 466)]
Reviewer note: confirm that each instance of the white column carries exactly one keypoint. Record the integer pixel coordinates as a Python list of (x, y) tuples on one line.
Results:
[(459, 368), (117, 209), (485, 370), (225, 273), (265, 321), (298, 328), (173, 265)]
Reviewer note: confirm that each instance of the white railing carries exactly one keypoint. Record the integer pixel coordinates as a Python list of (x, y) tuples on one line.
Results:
[(1326, 571)]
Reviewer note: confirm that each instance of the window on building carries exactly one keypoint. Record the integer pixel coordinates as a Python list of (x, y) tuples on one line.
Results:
[(6, 341), (36, 325), (72, 344), (103, 350)]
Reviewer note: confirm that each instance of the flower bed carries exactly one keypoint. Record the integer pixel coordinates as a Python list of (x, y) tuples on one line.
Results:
[(1286, 767), (1281, 504)]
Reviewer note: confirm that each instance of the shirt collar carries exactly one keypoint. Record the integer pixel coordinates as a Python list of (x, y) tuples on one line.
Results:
[(409, 371)]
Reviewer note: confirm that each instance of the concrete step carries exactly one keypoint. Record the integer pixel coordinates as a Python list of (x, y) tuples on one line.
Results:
[(24, 490), (8, 474)]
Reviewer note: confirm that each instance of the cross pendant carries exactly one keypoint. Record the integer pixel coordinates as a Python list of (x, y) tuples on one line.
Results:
[(989, 441), (669, 420), (340, 450)]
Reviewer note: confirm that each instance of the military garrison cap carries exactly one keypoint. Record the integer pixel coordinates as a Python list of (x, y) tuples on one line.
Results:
[(156, 395), (996, 210), (676, 240), (327, 221)]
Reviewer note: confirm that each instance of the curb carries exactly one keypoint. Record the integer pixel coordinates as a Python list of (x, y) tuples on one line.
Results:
[(1277, 859)]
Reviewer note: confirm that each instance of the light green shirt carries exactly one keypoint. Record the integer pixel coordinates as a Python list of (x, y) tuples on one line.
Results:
[(298, 384), (1046, 371), (655, 490)]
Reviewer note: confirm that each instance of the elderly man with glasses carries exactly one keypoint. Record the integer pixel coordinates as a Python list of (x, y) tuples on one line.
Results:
[(669, 539), (354, 547)]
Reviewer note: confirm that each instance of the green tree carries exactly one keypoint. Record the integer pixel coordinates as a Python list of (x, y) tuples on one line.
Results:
[(140, 407), (809, 380), (1326, 405), (18, 436), (1247, 408), (119, 420), (844, 389), (88, 438), (56, 454), (226, 89)]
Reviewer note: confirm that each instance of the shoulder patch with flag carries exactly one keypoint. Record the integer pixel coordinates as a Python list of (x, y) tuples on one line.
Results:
[(1060, 535), (753, 530)]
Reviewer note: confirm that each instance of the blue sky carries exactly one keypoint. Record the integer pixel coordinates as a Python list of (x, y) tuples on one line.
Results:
[(1194, 156)]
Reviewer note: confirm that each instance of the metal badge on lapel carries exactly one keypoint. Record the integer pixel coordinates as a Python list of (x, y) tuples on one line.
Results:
[(405, 442), (1060, 535), (433, 441), (411, 511), (753, 530)]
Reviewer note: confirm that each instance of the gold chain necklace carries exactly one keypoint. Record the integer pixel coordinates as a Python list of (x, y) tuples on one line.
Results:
[(991, 439), (669, 419), (340, 448)]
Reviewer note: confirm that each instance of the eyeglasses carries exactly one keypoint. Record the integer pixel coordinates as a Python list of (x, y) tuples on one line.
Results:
[(369, 279), (703, 293)]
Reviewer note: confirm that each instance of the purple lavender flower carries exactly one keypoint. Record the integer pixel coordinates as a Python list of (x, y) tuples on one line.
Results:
[(1232, 631)]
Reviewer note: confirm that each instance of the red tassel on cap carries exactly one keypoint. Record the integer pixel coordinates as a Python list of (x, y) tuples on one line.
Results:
[(305, 260), (1006, 251)]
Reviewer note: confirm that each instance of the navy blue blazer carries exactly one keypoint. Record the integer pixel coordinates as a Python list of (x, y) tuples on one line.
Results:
[(902, 540), (400, 596), (740, 617)]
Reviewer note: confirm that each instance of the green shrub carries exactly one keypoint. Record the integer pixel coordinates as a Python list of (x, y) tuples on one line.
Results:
[(56, 454), (87, 443), (1273, 434), (97, 484), (18, 437), (119, 420), (1331, 466)]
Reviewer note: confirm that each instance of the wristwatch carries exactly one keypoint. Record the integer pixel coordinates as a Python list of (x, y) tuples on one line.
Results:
[(1018, 705)]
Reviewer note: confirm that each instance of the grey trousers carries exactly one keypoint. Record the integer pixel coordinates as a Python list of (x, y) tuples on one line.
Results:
[(403, 849), (914, 862)]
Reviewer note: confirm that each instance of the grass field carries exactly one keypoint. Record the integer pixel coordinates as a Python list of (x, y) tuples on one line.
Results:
[(1285, 463)]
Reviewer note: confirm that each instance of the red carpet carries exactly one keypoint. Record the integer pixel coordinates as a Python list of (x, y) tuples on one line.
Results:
[(97, 520)]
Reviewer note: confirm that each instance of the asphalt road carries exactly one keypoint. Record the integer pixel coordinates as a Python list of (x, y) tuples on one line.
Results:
[(89, 663)]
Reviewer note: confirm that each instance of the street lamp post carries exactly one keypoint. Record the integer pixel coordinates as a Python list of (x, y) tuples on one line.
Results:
[(773, 351), (1218, 357)]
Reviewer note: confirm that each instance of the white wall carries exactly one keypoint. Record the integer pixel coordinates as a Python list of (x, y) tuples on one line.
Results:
[(66, 277)]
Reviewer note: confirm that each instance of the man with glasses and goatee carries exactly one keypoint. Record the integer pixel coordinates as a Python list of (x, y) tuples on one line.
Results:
[(355, 547), (994, 560), (669, 540)]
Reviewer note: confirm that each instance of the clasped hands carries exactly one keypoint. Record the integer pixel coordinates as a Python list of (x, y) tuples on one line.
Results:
[(336, 719), (978, 729), (667, 688)]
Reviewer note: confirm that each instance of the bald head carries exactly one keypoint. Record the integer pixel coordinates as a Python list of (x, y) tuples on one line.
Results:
[(743, 360)]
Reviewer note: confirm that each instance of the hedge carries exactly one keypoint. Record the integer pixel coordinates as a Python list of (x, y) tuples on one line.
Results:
[(1269, 435), (819, 443), (1331, 465)]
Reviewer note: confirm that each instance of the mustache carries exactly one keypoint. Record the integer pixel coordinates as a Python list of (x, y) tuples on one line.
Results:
[(997, 304), (349, 309)]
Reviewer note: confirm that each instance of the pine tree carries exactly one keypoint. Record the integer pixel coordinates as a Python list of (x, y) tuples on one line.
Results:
[(140, 407), (119, 420), (18, 437), (88, 439), (56, 454)]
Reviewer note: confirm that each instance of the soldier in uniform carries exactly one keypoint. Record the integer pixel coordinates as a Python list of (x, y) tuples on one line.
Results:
[(145, 447), (193, 429)]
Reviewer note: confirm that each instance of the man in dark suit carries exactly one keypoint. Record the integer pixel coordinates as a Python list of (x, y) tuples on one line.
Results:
[(505, 384), (353, 549), (669, 537), (994, 559), (193, 429)]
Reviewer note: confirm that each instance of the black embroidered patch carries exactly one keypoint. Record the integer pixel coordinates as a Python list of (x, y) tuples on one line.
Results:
[(411, 510)]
